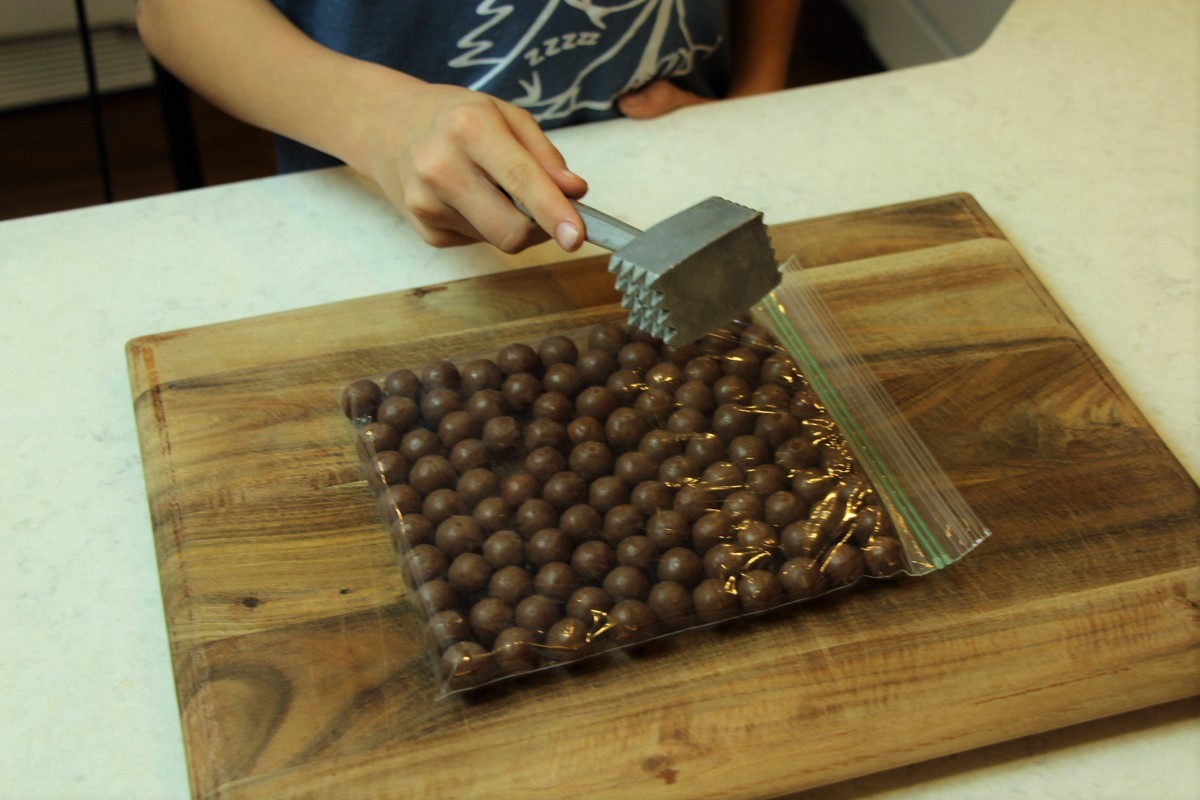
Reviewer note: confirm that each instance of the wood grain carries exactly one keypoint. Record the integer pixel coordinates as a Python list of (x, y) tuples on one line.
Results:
[(299, 667)]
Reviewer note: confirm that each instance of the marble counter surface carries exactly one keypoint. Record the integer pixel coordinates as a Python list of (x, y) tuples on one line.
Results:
[(1077, 126)]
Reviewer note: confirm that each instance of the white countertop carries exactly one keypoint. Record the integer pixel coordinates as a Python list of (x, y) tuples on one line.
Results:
[(1077, 126)]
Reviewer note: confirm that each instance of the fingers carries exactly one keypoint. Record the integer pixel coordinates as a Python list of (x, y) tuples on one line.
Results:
[(655, 99)]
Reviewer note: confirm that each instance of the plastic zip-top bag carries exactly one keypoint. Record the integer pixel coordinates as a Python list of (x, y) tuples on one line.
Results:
[(580, 494)]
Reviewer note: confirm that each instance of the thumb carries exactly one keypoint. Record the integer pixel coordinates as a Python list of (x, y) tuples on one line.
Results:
[(655, 99)]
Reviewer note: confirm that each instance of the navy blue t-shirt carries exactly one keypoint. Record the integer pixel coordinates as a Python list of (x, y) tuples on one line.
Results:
[(564, 61)]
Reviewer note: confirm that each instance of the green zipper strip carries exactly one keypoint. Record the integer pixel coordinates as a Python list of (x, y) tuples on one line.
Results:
[(926, 538)]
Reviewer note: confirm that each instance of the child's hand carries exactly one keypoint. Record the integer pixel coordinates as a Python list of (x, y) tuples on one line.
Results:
[(449, 159), (657, 98)]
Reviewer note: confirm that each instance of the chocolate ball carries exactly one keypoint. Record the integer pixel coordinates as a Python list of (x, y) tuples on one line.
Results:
[(595, 366), (515, 650), (585, 429), (749, 451), (432, 472), (715, 600), (803, 538), (801, 577), (637, 356), (696, 395), (589, 604), (797, 453), (488, 617), (780, 369), (535, 515), (625, 428), (622, 521), (741, 362), (545, 433), (608, 336), (723, 560), (469, 574), (426, 563), (783, 508), (563, 378), (520, 390), (637, 551), (376, 437), (486, 404), (547, 546), (437, 403), (512, 584), (476, 484), (677, 471), (607, 492), (502, 437), (598, 402), (591, 460), (812, 484), (565, 489), (493, 514), (681, 565), (402, 413), (705, 369), (516, 358), (659, 445), (743, 505), (730, 421), (434, 596), (399, 499), (679, 354), (504, 548), (419, 443), (687, 421), (458, 426), (769, 397), (360, 400), (631, 621), (869, 521), (566, 640), (706, 450), (411, 530), (519, 487), (665, 376), (668, 528), (581, 523), (672, 603), (650, 497), (724, 476), (758, 337), (655, 405), (402, 383), (843, 564), (387, 468), (712, 529), (554, 406), (767, 479), (759, 590), (441, 504), (635, 467), (884, 556), (440, 375), (544, 463), (720, 340), (536, 614), (758, 539), (731, 390), (446, 628), (805, 405), (694, 500), (557, 350), (593, 560), (627, 583), (466, 665), (459, 534), (482, 373), (469, 454), (626, 385), (556, 580)]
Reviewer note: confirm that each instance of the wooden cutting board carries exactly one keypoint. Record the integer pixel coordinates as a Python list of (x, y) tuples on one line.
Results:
[(298, 664)]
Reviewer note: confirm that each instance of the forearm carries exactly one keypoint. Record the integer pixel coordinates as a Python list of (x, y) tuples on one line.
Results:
[(247, 58), (763, 31)]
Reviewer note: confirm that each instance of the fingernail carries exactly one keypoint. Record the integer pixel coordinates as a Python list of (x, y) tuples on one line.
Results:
[(571, 175), (567, 235)]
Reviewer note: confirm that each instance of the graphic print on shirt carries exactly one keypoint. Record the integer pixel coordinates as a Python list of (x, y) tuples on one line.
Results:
[(569, 54)]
